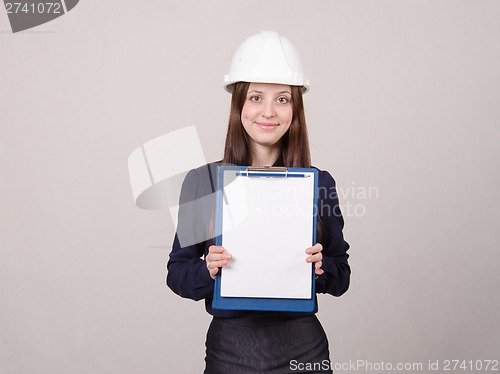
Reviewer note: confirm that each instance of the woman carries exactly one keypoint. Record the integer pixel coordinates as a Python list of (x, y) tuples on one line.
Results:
[(266, 127)]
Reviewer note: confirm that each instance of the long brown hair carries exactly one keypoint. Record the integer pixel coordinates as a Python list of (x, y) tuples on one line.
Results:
[(294, 145)]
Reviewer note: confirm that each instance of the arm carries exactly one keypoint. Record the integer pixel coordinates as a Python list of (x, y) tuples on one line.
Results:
[(336, 276), (188, 275)]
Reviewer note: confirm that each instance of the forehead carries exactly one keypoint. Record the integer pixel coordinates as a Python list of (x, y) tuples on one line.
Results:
[(270, 88)]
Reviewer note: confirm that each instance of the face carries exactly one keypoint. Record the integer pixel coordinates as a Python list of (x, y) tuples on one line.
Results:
[(267, 113)]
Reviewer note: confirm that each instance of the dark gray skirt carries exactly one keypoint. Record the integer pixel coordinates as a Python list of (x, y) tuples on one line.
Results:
[(266, 343)]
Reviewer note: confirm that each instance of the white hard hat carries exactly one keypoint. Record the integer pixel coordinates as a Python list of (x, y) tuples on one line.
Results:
[(266, 57)]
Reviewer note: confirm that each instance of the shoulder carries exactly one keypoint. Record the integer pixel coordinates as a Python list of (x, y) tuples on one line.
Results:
[(325, 179), (202, 171), (201, 179)]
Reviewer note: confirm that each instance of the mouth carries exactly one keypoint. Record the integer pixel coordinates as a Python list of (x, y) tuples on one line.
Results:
[(267, 125)]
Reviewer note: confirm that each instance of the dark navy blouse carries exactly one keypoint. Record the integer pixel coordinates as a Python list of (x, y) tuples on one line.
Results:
[(188, 275)]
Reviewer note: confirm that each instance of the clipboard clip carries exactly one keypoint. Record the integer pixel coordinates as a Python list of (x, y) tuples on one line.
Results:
[(266, 171), (277, 169)]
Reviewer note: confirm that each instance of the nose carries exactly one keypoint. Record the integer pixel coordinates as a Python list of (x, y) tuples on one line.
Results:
[(268, 110)]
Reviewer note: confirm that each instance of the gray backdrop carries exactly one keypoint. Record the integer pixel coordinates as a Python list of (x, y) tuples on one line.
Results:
[(403, 111)]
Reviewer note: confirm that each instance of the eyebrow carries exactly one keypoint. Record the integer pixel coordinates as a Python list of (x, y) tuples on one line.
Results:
[(279, 93)]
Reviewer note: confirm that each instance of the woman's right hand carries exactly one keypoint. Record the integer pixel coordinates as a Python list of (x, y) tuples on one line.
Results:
[(216, 258)]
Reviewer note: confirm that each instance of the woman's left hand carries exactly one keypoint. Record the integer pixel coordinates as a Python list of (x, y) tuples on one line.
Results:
[(316, 256)]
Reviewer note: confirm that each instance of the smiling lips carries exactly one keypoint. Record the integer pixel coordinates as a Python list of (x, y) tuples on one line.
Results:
[(267, 125)]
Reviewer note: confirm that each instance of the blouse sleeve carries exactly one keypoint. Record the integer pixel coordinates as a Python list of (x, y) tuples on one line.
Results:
[(187, 274), (336, 276)]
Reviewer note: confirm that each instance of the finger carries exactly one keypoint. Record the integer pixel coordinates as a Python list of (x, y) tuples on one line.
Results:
[(215, 249), (213, 272), (317, 268), (213, 266), (314, 249), (217, 264), (212, 257), (315, 258), (318, 247), (216, 253)]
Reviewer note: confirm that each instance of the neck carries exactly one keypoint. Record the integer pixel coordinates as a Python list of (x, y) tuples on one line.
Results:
[(265, 155)]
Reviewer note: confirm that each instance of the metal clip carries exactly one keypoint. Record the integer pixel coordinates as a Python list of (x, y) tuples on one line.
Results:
[(266, 171)]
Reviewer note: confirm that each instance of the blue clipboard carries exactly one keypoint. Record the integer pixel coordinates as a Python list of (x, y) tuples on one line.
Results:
[(283, 304)]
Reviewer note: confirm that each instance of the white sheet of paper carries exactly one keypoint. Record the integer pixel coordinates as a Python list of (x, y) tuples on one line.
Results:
[(267, 226)]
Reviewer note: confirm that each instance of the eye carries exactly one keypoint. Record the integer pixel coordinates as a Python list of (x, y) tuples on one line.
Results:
[(255, 98), (283, 100)]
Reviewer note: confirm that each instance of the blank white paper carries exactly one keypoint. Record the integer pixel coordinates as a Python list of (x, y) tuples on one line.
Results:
[(267, 226)]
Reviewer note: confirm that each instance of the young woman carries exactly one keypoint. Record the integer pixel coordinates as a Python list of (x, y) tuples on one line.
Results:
[(267, 127)]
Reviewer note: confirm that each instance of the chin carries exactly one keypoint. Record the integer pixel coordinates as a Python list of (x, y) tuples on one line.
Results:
[(267, 143)]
